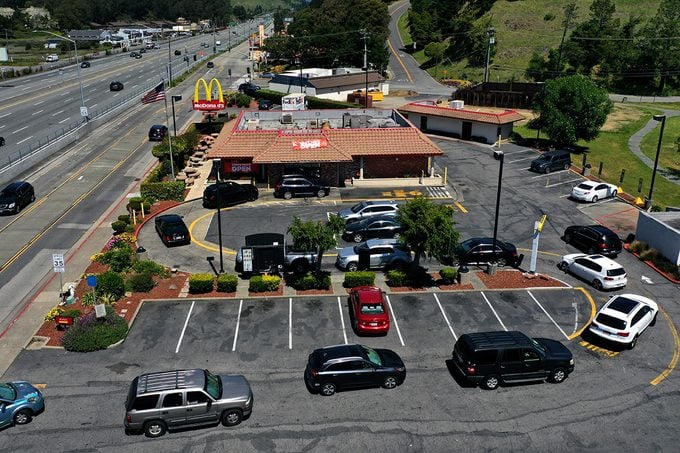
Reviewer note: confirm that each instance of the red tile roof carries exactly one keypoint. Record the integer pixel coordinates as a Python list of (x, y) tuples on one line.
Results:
[(508, 116), (320, 145)]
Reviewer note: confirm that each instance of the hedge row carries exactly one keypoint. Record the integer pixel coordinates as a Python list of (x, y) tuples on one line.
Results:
[(205, 283)]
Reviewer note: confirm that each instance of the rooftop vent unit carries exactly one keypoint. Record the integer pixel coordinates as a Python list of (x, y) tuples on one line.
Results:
[(286, 118), (458, 105), (253, 124), (313, 123)]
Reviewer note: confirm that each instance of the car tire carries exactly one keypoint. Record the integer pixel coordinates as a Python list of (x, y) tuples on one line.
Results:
[(390, 382), (567, 166), (491, 382), (357, 238), (557, 375), (155, 429), (352, 267), (563, 266), (23, 416), (232, 417), (633, 342), (653, 323), (501, 262), (396, 235), (547, 170), (327, 389), (597, 285), (594, 199), (615, 193), (33, 197), (321, 193), (567, 238), (287, 195)]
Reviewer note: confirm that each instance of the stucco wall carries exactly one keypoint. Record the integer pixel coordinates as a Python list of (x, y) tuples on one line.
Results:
[(652, 230)]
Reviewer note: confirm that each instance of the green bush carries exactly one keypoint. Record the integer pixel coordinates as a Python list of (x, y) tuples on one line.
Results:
[(118, 226), (119, 258), (310, 281), (91, 334), (201, 283), (264, 283), (359, 278), (638, 247), (227, 283), (72, 313), (141, 282), (112, 283), (397, 277), (449, 275), (649, 255), (89, 299), (135, 203), (151, 267), (125, 218), (166, 190)]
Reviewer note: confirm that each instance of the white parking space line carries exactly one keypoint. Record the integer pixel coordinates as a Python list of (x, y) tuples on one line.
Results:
[(342, 320), (394, 319), (445, 317), (494, 311), (290, 323), (186, 323), (238, 322), (569, 181), (522, 159), (547, 314), (543, 175)]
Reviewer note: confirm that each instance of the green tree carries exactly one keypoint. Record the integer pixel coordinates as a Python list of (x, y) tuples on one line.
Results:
[(435, 51), (572, 108), (658, 45), (427, 228), (319, 236)]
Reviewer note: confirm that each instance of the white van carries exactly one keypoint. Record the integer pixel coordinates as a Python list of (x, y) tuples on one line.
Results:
[(52, 57)]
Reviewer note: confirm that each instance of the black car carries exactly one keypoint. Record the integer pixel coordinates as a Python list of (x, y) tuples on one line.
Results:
[(85, 64), (492, 358), (300, 186), (178, 52), (353, 366), (228, 193), (249, 88), (15, 197), (172, 230), (593, 239), (157, 132), (480, 251), (210, 65), (116, 86), (381, 227), (265, 104), (552, 161)]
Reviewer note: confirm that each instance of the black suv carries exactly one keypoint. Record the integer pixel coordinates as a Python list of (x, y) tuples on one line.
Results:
[(157, 132), (15, 197), (492, 358), (353, 365), (249, 88), (116, 86), (228, 193), (300, 186), (552, 161), (593, 239)]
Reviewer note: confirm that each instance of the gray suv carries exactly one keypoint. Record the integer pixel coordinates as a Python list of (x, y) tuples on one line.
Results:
[(367, 209), (160, 401), (552, 161), (374, 254)]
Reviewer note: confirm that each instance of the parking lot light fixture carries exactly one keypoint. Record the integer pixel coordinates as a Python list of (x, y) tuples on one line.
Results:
[(500, 156), (662, 119)]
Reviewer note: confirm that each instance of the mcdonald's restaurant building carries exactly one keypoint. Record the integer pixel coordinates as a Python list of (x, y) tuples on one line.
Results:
[(336, 145)]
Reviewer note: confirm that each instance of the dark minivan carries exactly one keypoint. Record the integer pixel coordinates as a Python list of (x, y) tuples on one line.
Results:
[(552, 161), (157, 133), (594, 239), (15, 197), (492, 358)]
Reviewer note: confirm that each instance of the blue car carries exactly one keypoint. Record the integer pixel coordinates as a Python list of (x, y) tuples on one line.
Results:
[(19, 402)]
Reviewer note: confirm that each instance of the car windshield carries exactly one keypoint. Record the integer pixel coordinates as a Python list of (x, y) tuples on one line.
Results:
[(213, 385), (611, 321), (372, 309), (7, 392), (467, 245), (372, 355), (358, 207)]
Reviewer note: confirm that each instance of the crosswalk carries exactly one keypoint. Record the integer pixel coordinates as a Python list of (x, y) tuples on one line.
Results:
[(438, 192)]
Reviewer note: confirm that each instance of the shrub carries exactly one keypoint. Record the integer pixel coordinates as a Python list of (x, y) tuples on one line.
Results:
[(141, 282), (112, 283), (125, 218), (263, 283), (397, 277), (649, 255), (638, 247), (310, 281), (201, 283), (449, 275), (359, 278), (72, 313), (227, 283), (92, 334), (151, 267), (119, 258), (56, 311), (89, 299), (118, 226), (135, 203)]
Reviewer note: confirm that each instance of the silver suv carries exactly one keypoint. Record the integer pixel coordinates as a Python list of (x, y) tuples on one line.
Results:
[(374, 254), (160, 401), (367, 209)]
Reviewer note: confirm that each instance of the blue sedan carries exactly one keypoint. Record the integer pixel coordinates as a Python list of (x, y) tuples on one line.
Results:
[(19, 403)]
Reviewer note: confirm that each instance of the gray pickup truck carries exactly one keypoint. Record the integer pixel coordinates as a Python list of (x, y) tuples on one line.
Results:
[(269, 253)]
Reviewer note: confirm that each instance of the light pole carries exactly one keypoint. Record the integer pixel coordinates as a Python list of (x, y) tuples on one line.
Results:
[(175, 97), (491, 32), (169, 61), (499, 155), (83, 109), (661, 118), (167, 122)]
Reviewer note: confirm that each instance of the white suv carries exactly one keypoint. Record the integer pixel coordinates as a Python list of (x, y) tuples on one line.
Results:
[(366, 209), (601, 272), (623, 318)]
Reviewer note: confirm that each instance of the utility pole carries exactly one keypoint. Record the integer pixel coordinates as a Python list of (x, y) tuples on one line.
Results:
[(364, 36), (491, 32)]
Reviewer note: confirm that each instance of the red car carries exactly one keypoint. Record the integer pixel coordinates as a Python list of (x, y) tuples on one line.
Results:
[(369, 308)]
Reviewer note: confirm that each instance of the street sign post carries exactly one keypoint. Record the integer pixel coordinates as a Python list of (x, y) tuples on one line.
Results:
[(59, 266)]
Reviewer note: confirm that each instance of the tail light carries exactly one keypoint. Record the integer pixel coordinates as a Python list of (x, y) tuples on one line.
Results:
[(471, 369), (609, 278), (167, 237), (601, 246), (129, 418), (623, 334), (314, 373)]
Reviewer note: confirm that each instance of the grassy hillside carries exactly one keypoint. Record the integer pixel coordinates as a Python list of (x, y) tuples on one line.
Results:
[(522, 28)]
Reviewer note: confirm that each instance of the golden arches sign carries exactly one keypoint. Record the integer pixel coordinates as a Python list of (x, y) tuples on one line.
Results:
[(208, 104)]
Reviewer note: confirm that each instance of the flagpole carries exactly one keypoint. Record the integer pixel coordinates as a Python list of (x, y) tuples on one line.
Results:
[(167, 124)]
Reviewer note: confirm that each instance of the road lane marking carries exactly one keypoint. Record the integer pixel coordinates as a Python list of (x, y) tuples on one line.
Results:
[(342, 320), (676, 352), (494, 311), (445, 317), (21, 141), (64, 120), (38, 103), (593, 310), (58, 113), (37, 113), (290, 323), (394, 318), (6, 114), (548, 315), (460, 206), (238, 322), (186, 323), (19, 130), (599, 350)]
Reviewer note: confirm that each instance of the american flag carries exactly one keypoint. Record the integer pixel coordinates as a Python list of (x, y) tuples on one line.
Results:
[(157, 94)]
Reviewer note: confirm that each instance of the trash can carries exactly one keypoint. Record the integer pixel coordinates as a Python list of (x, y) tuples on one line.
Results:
[(587, 169), (463, 275), (491, 268), (142, 254)]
